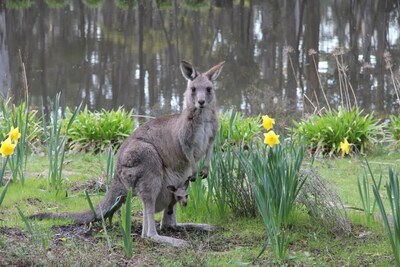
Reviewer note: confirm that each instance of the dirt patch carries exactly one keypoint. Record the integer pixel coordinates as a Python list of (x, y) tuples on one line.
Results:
[(91, 186)]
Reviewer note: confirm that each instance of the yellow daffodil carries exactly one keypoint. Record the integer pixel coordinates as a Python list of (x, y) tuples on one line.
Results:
[(267, 122), (271, 138), (345, 147), (7, 148), (14, 134)]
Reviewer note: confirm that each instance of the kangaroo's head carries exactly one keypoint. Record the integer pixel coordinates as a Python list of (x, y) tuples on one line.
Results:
[(200, 90), (180, 194)]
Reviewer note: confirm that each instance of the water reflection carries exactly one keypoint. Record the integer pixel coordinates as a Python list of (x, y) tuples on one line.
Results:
[(113, 53)]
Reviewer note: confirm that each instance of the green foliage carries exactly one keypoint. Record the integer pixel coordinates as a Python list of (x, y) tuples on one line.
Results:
[(94, 131), (93, 3), (274, 173), (363, 184), (237, 129), (3, 193), (109, 167), (393, 195), (28, 124), (195, 4), (34, 232), (56, 144), (323, 133), (228, 183), (3, 169), (394, 127), (126, 224), (18, 4), (56, 3), (125, 4)]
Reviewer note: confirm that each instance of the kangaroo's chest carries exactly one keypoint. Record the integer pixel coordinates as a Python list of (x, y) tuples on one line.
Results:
[(202, 135)]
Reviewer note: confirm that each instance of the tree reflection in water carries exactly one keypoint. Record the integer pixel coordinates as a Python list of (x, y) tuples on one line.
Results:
[(113, 53)]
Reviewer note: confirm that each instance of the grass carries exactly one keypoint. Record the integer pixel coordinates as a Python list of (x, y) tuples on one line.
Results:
[(236, 242)]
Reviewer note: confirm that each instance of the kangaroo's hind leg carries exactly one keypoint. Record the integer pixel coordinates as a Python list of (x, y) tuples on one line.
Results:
[(149, 225), (143, 171)]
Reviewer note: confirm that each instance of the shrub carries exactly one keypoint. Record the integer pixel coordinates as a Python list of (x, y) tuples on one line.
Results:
[(238, 130), (274, 174), (394, 127), (323, 133), (228, 183), (25, 122), (94, 131), (20, 116)]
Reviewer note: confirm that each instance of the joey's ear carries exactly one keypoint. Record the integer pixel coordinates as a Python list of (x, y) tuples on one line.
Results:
[(187, 70), (171, 188), (214, 72)]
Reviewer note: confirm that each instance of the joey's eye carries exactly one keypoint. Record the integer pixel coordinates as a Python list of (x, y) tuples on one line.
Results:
[(208, 89), (179, 197), (193, 89)]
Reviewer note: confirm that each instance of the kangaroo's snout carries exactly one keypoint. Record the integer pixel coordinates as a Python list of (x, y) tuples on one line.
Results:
[(201, 103)]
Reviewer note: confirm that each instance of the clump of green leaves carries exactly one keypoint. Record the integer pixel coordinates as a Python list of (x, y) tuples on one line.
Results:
[(237, 129), (56, 143), (94, 131), (368, 203), (394, 127), (324, 132), (126, 225), (393, 196), (274, 174), (28, 125)]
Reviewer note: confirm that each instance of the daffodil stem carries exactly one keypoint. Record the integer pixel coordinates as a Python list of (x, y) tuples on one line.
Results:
[(3, 169)]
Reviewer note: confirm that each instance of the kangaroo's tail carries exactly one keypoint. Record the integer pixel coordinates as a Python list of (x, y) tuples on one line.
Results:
[(112, 201)]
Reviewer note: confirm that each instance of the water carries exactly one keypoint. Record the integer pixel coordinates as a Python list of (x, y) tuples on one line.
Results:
[(109, 54)]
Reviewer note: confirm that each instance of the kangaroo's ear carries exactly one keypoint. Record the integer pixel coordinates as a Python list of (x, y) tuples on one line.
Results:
[(214, 72), (187, 70), (171, 188)]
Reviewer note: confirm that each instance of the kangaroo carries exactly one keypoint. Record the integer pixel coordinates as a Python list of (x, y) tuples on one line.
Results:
[(178, 195), (163, 151)]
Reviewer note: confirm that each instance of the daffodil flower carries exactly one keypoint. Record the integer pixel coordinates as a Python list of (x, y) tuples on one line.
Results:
[(271, 138), (345, 147), (268, 122), (7, 148), (14, 134)]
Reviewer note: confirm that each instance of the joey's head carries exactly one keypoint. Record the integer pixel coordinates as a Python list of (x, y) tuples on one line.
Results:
[(200, 89), (180, 194)]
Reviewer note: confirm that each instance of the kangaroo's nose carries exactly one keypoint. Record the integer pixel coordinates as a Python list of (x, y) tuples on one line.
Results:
[(201, 102)]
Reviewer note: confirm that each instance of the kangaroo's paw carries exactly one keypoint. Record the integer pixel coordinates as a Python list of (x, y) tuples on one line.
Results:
[(204, 173), (192, 178), (175, 242), (196, 226)]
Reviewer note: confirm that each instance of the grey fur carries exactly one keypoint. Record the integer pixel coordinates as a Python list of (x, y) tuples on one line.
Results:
[(162, 152)]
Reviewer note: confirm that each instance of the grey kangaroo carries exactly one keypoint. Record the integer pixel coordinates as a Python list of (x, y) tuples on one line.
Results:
[(178, 195), (162, 152)]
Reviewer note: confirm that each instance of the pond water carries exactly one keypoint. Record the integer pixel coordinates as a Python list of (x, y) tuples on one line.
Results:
[(127, 53)]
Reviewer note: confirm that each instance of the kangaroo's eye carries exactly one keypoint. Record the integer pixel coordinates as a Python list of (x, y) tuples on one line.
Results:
[(208, 89), (193, 89), (179, 197)]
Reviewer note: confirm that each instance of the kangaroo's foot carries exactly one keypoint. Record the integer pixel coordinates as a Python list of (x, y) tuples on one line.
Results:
[(189, 226), (175, 242), (196, 226)]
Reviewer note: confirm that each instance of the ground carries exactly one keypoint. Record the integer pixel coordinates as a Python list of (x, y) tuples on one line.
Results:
[(235, 242)]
